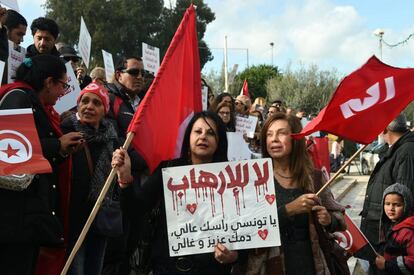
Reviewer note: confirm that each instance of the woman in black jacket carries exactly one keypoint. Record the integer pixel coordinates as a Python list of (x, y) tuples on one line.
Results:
[(204, 141), (34, 217), (90, 167)]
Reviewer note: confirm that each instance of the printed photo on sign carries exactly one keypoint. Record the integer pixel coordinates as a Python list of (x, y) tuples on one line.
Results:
[(232, 203), (246, 125)]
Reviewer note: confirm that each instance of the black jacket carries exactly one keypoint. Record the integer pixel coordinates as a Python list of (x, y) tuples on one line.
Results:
[(32, 216), (32, 51), (149, 197), (397, 165), (122, 118)]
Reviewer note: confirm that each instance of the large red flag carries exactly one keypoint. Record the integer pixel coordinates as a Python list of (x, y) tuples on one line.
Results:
[(20, 150), (365, 102), (172, 99), (245, 89), (352, 239)]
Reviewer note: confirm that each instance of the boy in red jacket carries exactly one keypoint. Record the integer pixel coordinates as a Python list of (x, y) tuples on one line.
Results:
[(397, 232)]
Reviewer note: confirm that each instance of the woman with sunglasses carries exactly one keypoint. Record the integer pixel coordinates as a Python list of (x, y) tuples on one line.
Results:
[(204, 141), (33, 217)]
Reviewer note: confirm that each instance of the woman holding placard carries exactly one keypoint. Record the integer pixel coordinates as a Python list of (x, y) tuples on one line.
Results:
[(204, 142), (300, 211)]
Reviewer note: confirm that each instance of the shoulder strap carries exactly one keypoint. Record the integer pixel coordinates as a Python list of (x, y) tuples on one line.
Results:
[(9, 92), (89, 159)]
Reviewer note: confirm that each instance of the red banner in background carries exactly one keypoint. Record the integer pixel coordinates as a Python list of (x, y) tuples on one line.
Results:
[(20, 149), (319, 151)]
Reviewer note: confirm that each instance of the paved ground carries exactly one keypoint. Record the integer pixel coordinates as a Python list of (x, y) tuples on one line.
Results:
[(351, 188)]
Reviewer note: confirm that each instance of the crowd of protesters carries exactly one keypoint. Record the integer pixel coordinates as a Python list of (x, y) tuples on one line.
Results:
[(130, 236)]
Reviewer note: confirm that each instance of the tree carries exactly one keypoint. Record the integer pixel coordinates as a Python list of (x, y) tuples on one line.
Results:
[(120, 26), (307, 89), (257, 77)]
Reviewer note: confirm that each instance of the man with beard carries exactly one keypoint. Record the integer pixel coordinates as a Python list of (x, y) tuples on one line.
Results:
[(45, 31)]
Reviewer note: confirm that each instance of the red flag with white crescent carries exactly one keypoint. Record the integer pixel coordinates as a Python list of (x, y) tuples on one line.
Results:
[(20, 149), (351, 239)]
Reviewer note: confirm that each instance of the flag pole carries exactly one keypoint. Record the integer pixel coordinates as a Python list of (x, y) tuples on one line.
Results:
[(340, 170), (95, 209)]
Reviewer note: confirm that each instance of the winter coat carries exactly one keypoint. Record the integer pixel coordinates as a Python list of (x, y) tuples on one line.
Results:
[(32, 51), (31, 216), (397, 165), (397, 239)]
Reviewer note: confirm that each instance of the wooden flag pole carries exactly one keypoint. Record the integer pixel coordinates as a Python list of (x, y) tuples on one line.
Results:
[(95, 209), (340, 170)]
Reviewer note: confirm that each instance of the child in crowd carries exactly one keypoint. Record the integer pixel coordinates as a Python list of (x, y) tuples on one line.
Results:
[(397, 232)]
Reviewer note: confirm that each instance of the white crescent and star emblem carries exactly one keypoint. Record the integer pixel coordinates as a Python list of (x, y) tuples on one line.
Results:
[(344, 239), (14, 147)]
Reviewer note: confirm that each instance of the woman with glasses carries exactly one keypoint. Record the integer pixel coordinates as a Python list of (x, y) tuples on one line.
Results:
[(33, 217), (226, 112)]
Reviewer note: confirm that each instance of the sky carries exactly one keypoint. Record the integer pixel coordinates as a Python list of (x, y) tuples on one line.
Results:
[(329, 33)]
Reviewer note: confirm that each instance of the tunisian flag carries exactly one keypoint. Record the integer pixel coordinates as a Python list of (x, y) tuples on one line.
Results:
[(173, 98), (365, 102), (20, 150), (245, 89), (352, 239)]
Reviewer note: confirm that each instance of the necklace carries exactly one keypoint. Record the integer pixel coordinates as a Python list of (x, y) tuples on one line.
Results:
[(282, 176)]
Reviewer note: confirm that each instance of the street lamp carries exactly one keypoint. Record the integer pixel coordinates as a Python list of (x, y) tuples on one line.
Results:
[(379, 33), (271, 45)]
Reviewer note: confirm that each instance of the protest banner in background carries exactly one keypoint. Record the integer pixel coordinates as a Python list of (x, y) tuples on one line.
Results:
[(109, 65), (85, 42), (151, 58), (20, 150), (238, 148), (68, 99), (2, 65), (232, 203), (12, 4), (16, 58), (204, 97), (246, 125)]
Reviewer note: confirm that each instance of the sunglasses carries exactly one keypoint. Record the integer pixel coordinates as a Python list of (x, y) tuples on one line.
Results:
[(65, 85), (71, 58), (134, 72)]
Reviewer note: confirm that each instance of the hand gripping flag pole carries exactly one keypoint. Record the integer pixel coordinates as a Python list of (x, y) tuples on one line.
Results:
[(95, 210)]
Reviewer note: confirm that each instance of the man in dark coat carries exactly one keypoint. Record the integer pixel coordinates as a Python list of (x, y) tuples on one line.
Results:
[(397, 165), (45, 31)]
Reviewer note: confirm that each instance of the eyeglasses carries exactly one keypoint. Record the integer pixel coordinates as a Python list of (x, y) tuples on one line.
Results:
[(65, 85), (224, 113), (238, 102), (134, 72), (71, 58)]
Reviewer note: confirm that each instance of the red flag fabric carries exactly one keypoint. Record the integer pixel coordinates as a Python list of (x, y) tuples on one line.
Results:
[(245, 89), (365, 102), (318, 149), (20, 150), (352, 239), (172, 99)]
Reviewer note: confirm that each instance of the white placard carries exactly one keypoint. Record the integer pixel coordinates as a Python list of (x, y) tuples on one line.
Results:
[(2, 64), (14, 60), (238, 148), (204, 97), (232, 203), (68, 100), (151, 58), (109, 65), (246, 125), (12, 4), (85, 42)]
